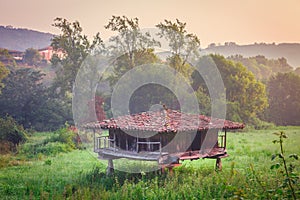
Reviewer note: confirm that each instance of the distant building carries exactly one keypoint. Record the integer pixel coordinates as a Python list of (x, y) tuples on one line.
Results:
[(47, 53), (17, 55)]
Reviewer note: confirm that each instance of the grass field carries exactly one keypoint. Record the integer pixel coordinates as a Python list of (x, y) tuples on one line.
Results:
[(78, 174)]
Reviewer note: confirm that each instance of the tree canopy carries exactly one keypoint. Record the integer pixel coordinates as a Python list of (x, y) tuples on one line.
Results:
[(31, 103), (3, 73), (182, 44), (76, 48), (32, 57), (284, 94), (131, 46), (262, 67), (246, 97)]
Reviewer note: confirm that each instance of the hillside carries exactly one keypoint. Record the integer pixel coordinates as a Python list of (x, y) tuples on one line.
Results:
[(21, 39), (290, 51)]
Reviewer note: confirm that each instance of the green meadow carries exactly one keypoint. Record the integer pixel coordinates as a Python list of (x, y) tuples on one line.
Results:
[(78, 174)]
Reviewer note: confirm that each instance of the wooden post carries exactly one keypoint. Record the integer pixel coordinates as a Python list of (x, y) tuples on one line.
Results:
[(218, 164), (137, 143), (95, 139), (110, 167), (114, 141), (225, 139), (126, 143), (148, 140)]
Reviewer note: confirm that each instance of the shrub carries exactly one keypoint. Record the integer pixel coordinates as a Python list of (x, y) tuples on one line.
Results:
[(12, 132), (258, 124), (63, 140)]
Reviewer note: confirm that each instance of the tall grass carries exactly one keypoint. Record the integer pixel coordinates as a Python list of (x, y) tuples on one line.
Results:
[(78, 175)]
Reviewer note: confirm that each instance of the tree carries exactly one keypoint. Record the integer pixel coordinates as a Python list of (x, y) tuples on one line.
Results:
[(123, 63), (7, 59), (284, 94), (22, 95), (32, 57), (246, 97), (183, 45), (262, 67), (242, 88), (131, 47), (76, 48), (3, 73), (130, 40), (26, 99)]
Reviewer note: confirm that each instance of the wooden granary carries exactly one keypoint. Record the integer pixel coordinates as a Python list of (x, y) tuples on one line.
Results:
[(166, 136)]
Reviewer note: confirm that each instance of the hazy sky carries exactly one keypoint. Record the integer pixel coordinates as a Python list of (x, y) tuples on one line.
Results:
[(218, 21)]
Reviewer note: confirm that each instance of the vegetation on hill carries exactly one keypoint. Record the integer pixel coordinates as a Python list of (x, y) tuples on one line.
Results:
[(262, 67), (283, 95), (3, 73), (14, 38), (290, 51)]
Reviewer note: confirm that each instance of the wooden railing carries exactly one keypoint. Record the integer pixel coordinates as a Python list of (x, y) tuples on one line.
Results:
[(104, 142), (149, 144), (222, 141)]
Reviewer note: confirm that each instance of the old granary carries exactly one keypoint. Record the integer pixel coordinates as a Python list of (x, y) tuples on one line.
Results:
[(166, 136)]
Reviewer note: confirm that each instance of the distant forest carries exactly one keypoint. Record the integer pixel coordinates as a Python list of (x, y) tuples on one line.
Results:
[(20, 39), (290, 51)]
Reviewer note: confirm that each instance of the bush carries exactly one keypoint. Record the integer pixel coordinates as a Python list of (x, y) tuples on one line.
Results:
[(12, 132), (256, 123), (53, 148), (66, 136), (63, 140)]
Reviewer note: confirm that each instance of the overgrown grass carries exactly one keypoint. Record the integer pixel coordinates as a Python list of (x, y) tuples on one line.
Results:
[(78, 175)]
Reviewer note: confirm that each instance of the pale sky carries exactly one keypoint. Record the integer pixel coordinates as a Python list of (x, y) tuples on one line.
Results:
[(214, 21)]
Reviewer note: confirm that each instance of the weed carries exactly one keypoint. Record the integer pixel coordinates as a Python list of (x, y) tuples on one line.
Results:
[(290, 178)]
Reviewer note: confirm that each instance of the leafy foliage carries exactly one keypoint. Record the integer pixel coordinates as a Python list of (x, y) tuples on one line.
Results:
[(290, 178), (130, 39), (22, 95), (183, 45), (26, 99), (246, 97), (3, 73), (262, 67), (284, 95), (62, 140), (76, 48), (6, 58), (130, 46), (12, 132), (32, 57)]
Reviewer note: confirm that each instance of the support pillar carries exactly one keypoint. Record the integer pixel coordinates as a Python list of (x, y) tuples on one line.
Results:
[(110, 167), (218, 164)]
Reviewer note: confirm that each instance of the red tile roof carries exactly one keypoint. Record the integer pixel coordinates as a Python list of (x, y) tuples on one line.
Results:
[(165, 121)]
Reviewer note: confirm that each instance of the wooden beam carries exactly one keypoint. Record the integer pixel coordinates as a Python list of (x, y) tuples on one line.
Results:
[(218, 164), (95, 140), (225, 139), (110, 167)]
